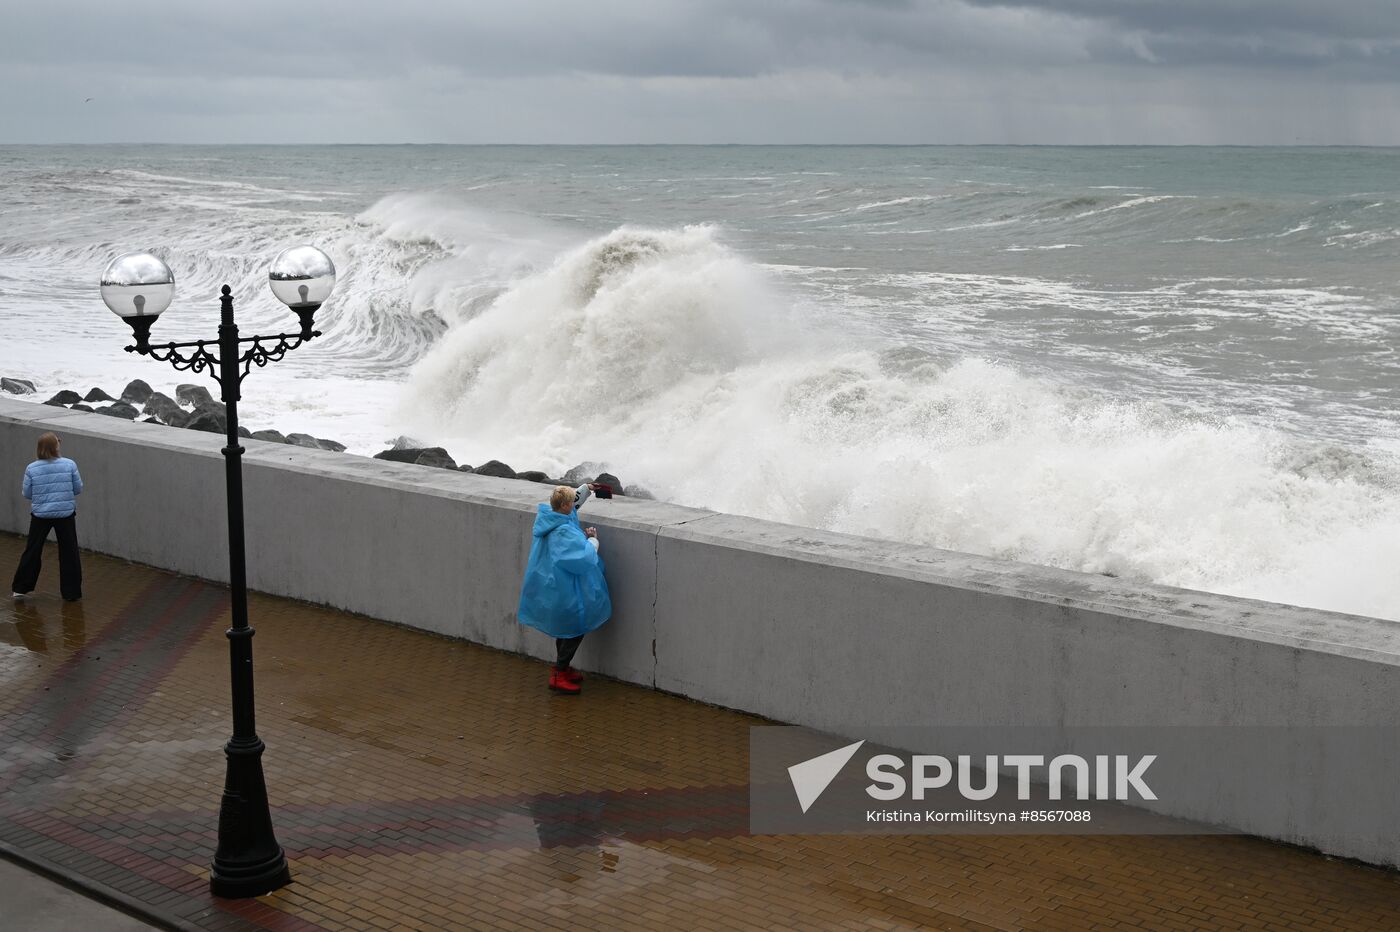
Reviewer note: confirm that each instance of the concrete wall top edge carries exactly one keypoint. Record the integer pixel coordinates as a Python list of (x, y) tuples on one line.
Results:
[(1292, 626), (27, 411), (621, 512), (83, 423), (1277, 623)]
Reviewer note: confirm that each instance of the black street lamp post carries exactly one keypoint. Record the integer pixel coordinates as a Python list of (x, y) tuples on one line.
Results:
[(138, 287)]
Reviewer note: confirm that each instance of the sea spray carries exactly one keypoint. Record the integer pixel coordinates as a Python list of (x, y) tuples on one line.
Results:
[(598, 337), (666, 354)]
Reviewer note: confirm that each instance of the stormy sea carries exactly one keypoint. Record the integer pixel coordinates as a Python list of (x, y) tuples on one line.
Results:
[(1175, 365)]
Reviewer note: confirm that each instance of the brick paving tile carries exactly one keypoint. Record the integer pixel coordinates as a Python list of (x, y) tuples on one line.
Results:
[(422, 783)]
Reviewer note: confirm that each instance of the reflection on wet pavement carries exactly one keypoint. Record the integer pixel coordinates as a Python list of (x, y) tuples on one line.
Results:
[(34, 625)]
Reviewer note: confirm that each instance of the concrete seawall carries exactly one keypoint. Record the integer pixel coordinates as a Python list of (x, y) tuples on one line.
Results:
[(835, 632)]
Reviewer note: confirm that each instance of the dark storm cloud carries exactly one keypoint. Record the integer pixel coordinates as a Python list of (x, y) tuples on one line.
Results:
[(1320, 19), (703, 70), (1361, 35)]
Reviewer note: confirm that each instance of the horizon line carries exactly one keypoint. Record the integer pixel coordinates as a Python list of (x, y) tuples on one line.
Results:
[(750, 145)]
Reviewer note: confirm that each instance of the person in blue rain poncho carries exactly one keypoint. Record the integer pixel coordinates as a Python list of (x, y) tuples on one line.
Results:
[(564, 593)]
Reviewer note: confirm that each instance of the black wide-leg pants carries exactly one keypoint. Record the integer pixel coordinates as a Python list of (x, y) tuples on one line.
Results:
[(70, 567)]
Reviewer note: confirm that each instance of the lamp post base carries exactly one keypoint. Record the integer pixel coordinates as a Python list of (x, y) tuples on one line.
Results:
[(250, 880), (249, 862)]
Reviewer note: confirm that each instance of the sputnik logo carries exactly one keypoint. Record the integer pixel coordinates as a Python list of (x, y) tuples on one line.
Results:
[(811, 777)]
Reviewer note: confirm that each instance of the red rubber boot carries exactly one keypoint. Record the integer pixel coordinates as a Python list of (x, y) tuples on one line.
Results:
[(560, 683)]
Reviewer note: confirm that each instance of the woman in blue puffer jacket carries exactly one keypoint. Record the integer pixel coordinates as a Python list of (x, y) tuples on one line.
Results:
[(564, 593), (52, 484)]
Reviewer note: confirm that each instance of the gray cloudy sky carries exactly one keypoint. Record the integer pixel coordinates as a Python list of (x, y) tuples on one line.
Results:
[(599, 71)]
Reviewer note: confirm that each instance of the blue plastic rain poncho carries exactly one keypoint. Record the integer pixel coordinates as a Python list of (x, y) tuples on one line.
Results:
[(564, 594)]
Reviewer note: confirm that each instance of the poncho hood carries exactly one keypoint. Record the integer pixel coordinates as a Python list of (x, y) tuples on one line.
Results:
[(547, 519)]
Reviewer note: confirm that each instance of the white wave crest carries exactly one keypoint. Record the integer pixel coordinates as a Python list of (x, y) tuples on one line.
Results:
[(898, 201)]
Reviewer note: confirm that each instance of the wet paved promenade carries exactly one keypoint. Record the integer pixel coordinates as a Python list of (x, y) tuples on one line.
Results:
[(423, 783)]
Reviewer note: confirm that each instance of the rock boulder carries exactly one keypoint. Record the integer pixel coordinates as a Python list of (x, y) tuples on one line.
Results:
[(436, 456), (195, 396), (209, 417), (495, 468), (422, 456), (583, 472), (164, 407), (17, 386), (120, 409), (400, 454), (136, 392)]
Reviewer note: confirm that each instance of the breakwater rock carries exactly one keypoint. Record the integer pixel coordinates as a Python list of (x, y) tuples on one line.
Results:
[(17, 386), (192, 408), (195, 408)]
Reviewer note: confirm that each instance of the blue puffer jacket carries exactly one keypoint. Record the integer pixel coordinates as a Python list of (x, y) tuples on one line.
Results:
[(51, 487), (564, 593)]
